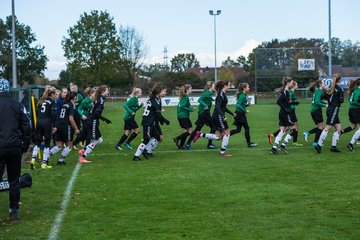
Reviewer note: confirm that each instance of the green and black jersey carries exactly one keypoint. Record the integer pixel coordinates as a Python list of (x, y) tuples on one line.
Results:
[(317, 102), (183, 108), (242, 103), (205, 101), (293, 99), (131, 106), (85, 106), (354, 99)]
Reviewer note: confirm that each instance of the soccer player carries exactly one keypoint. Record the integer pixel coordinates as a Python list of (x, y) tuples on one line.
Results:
[(285, 117), (183, 114), (45, 126), (204, 117), (151, 118), (65, 129), (316, 110), (240, 119), (95, 115), (131, 106), (354, 111), (219, 119), (334, 96), (84, 109)]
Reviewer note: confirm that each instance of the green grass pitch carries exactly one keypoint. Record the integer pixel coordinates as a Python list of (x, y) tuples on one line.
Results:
[(197, 194)]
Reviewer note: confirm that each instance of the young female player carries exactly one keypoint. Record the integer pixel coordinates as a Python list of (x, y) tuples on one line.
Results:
[(84, 112), (334, 96), (45, 126), (219, 119), (316, 110), (286, 121), (240, 119), (131, 106), (354, 111), (95, 115), (65, 129), (151, 118), (183, 114), (204, 117)]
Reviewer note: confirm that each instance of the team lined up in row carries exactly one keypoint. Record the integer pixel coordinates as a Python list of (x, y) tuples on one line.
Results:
[(331, 98)]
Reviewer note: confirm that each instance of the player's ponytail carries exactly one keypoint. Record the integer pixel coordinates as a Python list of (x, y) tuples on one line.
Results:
[(315, 85), (335, 80), (353, 83), (221, 84), (285, 81), (183, 90), (208, 85), (156, 91), (242, 86), (45, 96)]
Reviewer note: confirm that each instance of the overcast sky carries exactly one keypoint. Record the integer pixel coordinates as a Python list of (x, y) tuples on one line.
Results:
[(184, 26)]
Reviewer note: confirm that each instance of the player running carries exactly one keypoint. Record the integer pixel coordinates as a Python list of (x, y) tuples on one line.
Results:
[(131, 106)]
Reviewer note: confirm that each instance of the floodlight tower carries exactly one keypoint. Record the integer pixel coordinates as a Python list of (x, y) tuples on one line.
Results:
[(212, 13), (13, 47)]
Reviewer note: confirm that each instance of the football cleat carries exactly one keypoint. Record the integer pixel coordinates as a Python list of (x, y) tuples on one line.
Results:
[(118, 147), (283, 149), (274, 151), (187, 147), (271, 138), (197, 135), (334, 149), (81, 152), (317, 148), (251, 145), (297, 144), (350, 147), (63, 163), (128, 146), (45, 166), (83, 160), (136, 158), (212, 147), (146, 154), (32, 164)]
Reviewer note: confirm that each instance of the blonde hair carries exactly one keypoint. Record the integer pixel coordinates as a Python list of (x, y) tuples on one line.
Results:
[(183, 90), (135, 91)]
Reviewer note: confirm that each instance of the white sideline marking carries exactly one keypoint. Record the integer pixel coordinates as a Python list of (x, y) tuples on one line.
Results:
[(59, 217)]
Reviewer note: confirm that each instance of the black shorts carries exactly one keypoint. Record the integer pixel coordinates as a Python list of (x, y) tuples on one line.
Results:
[(219, 122), (293, 117), (240, 119), (332, 115), (94, 129), (285, 119), (130, 124), (354, 115), (185, 123), (64, 133), (205, 119), (43, 130), (317, 116)]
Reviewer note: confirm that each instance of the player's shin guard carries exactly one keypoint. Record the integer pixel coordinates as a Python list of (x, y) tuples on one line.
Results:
[(278, 138), (54, 150), (287, 138), (355, 137), (210, 136), (323, 136), (140, 149), (35, 152), (89, 149), (224, 143), (150, 147), (64, 154), (335, 138), (46, 154)]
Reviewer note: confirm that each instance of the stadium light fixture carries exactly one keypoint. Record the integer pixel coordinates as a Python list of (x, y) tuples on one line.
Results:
[(212, 13), (330, 44)]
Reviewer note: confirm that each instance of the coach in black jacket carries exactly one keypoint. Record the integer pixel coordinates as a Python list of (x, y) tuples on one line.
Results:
[(14, 140)]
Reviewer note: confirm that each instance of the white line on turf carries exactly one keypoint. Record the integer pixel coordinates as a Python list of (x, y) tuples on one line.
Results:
[(59, 217)]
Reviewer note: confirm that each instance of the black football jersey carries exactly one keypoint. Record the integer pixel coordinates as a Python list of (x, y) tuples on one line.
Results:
[(97, 108), (151, 111), (67, 110), (47, 110)]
